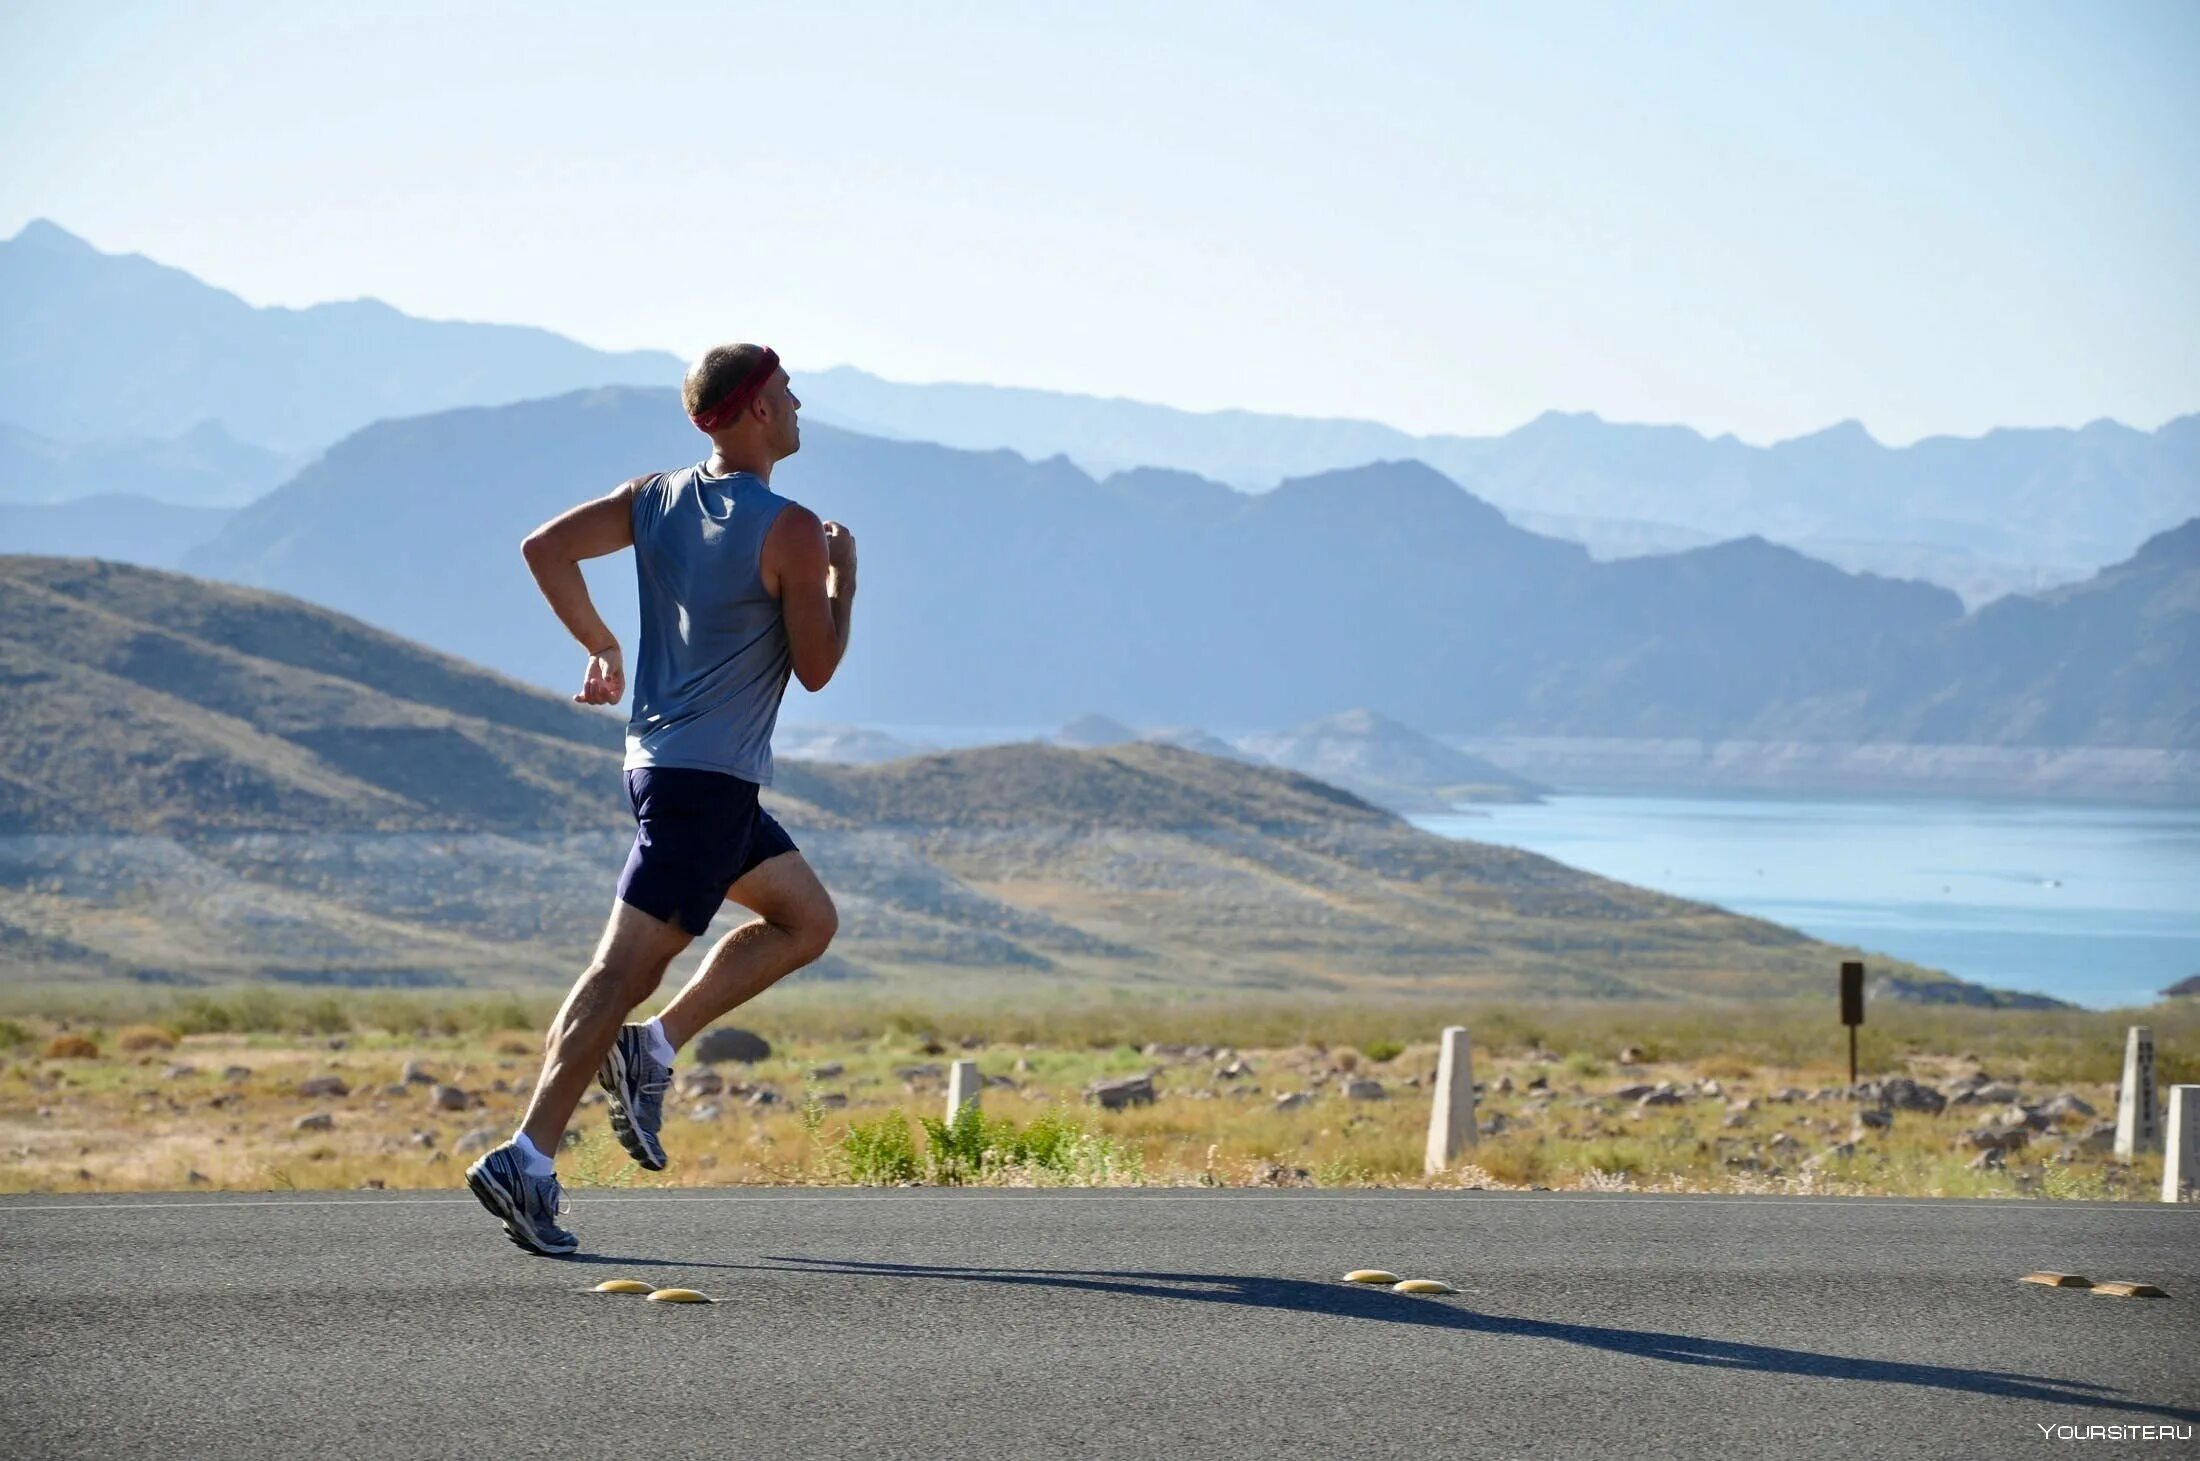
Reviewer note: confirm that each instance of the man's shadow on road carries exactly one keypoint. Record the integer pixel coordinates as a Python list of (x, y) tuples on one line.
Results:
[(1354, 1301)]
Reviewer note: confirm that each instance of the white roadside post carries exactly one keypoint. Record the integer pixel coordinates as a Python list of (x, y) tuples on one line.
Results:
[(2181, 1153), (1451, 1119), (963, 1085), (2138, 1127)]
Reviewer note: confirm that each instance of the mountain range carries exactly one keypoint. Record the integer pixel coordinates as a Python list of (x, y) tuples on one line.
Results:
[(2014, 509), (123, 360), (248, 786), (999, 590), (105, 348)]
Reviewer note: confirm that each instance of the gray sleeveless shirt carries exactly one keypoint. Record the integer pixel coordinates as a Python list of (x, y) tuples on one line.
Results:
[(714, 659)]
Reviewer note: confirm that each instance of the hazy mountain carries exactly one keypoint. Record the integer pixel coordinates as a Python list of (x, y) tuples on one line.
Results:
[(106, 349), (1001, 591), (1983, 513), (255, 787), (848, 745), (2111, 661), (1390, 764), (1092, 731), (204, 467), (101, 347), (118, 526)]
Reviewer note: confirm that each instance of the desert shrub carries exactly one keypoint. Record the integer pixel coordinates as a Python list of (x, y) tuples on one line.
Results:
[(13, 1036), (956, 1151), (1057, 1146), (881, 1152), (1582, 1063), (1726, 1068), (139, 1038), (1380, 1051), (1049, 1142), (72, 1047)]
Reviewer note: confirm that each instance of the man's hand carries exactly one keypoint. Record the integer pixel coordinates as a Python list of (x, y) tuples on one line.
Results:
[(606, 680), (840, 549)]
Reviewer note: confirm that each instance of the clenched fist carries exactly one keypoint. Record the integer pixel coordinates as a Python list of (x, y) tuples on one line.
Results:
[(840, 549), (606, 680)]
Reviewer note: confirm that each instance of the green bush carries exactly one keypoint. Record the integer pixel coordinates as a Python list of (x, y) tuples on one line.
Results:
[(1056, 1147), (880, 1153), (13, 1035), (956, 1150), (1379, 1051)]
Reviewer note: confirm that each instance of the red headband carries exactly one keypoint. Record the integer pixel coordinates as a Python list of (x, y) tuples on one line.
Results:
[(730, 406)]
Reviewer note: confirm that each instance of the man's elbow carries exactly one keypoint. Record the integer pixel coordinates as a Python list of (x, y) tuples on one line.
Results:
[(535, 547), (815, 671)]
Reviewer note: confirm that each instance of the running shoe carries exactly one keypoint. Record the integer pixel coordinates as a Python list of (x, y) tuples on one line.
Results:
[(636, 1080), (528, 1204)]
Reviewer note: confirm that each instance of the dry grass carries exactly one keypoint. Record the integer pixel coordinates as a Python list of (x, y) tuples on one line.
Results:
[(221, 1109), (137, 1039)]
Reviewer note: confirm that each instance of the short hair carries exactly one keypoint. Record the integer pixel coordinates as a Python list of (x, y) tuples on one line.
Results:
[(717, 374)]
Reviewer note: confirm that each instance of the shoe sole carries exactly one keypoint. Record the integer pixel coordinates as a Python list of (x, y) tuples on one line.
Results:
[(499, 1203), (609, 1075)]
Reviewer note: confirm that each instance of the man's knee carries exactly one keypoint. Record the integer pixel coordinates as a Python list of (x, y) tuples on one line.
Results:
[(812, 925)]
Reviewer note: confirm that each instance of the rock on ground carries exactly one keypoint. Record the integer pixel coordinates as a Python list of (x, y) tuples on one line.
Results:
[(745, 1046)]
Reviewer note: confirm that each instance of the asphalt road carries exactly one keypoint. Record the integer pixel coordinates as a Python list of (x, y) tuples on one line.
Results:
[(927, 1323)]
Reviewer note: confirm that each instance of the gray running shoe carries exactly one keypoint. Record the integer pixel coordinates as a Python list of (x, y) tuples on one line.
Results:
[(636, 1081), (527, 1204)]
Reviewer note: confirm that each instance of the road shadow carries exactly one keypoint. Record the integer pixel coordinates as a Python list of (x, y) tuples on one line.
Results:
[(614, 1260), (1355, 1301)]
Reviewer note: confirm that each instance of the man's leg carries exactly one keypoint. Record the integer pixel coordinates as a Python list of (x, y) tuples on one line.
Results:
[(796, 920), (629, 962)]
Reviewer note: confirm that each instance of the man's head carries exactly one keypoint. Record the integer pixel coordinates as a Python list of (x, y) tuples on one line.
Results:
[(739, 397)]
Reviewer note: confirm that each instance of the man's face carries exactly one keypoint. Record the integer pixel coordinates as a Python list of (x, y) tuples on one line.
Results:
[(786, 430)]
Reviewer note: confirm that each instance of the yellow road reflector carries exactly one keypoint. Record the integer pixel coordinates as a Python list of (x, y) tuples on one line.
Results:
[(1370, 1275), (2058, 1280), (1422, 1286), (2118, 1288), (622, 1286), (677, 1296)]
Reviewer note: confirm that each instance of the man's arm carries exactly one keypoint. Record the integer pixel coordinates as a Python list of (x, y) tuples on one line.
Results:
[(811, 567), (554, 552)]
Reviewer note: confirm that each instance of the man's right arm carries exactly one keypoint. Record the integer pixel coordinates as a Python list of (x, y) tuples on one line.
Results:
[(554, 553), (811, 566)]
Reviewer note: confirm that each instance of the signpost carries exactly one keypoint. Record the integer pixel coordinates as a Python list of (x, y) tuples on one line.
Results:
[(1852, 1007)]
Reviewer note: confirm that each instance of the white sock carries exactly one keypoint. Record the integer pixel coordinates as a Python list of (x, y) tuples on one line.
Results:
[(659, 1046), (538, 1165)]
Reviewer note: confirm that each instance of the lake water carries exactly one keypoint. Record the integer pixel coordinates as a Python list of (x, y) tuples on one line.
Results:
[(2097, 905)]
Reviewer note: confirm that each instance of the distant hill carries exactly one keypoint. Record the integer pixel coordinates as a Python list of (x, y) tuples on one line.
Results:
[(254, 787), (1001, 591), (101, 347), (1390, 764), (2114, 660), (204, 467), (141, 701), (119, 526), (1978, 513), (851, 745), (108, 351), (1093, 731)]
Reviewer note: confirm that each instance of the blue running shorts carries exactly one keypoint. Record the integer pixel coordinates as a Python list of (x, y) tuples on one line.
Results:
[(696, 833)]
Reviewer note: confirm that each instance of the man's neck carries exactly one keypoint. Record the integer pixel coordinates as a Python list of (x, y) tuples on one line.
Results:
[(724, 462)]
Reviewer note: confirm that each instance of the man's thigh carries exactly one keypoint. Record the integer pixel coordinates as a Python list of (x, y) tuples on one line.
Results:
[(637, 944), (783, 889)]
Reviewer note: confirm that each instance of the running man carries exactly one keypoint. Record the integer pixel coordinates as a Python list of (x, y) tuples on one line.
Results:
[(739, 588)]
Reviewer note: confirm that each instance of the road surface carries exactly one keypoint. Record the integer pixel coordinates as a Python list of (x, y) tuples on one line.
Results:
[(1133, 1323)]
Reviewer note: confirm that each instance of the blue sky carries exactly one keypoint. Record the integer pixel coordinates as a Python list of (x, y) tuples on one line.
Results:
[(1750, 218)]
